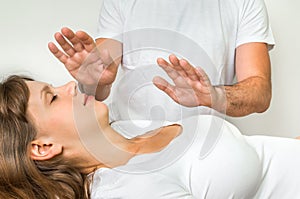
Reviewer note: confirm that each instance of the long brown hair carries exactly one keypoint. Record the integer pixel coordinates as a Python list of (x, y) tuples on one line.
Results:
[(20, 176)]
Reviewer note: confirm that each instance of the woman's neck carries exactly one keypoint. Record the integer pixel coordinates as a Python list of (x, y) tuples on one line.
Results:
[(115, 150)]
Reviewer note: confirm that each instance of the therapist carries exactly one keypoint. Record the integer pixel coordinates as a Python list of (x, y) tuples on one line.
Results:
[(215, 55)]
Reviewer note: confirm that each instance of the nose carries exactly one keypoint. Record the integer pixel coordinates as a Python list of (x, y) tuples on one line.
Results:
[(70, 88)]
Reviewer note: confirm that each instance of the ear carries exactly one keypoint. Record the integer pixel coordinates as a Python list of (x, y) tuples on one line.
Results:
[(44, 151)]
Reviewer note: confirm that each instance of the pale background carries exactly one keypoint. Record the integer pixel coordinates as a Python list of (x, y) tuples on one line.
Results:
[(27, 27)]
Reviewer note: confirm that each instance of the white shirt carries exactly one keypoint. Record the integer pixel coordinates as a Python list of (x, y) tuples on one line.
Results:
[(205, 32), (234, 166), (280, 162)]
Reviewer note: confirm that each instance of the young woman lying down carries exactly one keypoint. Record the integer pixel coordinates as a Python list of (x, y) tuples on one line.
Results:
[(58, 143)]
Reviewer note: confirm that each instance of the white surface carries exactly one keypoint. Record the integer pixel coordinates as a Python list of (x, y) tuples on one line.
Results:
[(27, 27)]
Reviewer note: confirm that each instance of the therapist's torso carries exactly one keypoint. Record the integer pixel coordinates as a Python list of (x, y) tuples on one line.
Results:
[(205, 32)]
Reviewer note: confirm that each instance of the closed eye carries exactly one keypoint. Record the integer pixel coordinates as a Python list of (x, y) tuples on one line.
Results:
[(53, 98)]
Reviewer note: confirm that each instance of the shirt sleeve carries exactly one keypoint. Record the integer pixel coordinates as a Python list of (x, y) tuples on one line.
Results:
[(254, 24), (110, 20)]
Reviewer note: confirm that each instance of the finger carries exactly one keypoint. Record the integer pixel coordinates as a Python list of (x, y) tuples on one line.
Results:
[(174, 61), (172, 73), (70, 35), (204, 79), (176, 64), (87, 41), (189, 70), (163, 63), (57, 53), (66, 46), (163, 85), (167, 67)]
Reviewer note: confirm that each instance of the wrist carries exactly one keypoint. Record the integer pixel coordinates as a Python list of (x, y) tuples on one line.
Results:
[(219, 100), (92, 90)]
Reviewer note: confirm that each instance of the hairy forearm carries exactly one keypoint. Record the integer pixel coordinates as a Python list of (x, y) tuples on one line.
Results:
[(252, 95)]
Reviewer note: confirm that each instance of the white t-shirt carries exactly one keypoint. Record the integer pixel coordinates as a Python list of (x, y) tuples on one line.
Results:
[(280, 162), (235, 166), (205, 32)]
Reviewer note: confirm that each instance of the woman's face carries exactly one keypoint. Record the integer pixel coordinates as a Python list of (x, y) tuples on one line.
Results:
[(59, 112)]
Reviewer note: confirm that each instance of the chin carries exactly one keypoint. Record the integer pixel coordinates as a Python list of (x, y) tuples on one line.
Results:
[(102, 113)]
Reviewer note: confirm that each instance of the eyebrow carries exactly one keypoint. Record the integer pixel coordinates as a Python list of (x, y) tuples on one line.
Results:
[(46, 88)]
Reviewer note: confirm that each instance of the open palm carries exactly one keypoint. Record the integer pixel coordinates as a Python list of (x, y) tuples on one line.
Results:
[(82, 59), (191, 86)]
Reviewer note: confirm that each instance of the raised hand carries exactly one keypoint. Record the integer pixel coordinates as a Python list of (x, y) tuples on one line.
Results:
[(191, 87), (82, 58)]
